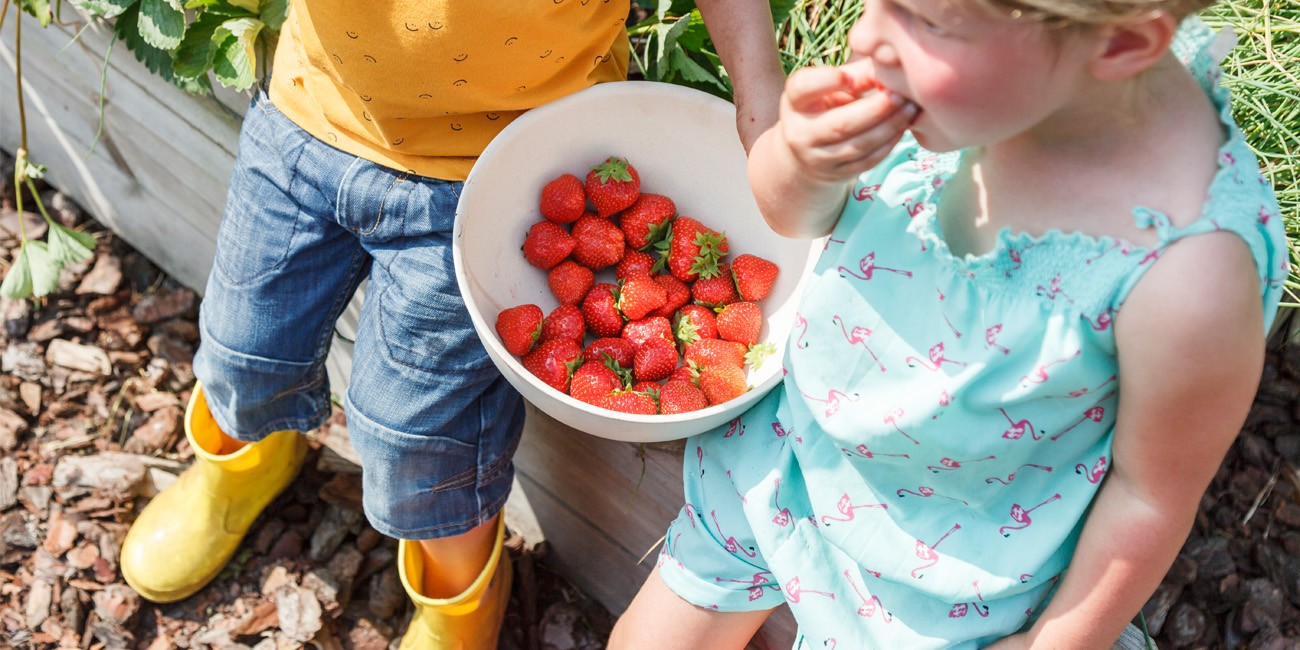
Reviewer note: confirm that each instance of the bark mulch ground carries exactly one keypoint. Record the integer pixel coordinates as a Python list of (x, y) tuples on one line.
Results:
[(92, 390)]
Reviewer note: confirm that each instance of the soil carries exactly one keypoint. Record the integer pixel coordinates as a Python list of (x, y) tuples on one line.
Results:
[(94, 382)]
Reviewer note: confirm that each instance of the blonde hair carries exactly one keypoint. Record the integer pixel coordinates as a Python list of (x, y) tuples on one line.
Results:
[(1086, 13)]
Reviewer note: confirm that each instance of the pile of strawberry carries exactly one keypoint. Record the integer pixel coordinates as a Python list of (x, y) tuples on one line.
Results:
[(675, 330)]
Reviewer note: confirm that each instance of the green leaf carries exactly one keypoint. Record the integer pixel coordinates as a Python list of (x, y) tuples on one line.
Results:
[(103, 8), (234, 63), (251, 6), (197, 50), (126, 29), (162, 23), (67, 245), (273, 13), (40, 9), (692, 71), (33, 171), (18, 281), (45, 269)]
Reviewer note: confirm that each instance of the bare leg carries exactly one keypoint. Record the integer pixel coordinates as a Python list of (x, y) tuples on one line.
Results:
[(660, 619), (452, 563)]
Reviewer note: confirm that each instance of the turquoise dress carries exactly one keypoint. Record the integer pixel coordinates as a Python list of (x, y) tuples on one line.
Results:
[(921, 476)]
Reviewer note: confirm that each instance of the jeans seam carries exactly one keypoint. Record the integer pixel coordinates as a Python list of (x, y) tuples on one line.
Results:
[(340, 302), (379, 218), (340, 198)]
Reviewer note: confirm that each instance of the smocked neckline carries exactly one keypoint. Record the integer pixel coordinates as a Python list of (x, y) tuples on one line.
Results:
[(935, 178)]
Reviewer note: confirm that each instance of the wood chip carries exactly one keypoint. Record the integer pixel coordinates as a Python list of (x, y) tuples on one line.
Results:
[(117, 603), (39, 598), (299, 612), (8, 482), (60, 534), (104, 278), (76, 356), (150, 402), (30, 393), (117, 474)]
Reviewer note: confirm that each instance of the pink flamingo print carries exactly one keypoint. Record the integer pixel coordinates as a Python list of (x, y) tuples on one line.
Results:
[(869, 605), (1264, 216), (1053, 290), (866, 193), (801, 324), (793, 592), (892, 420), (782, 433), (832, 400), (859, 335), (868, 267), (782, 517), (1080, 392), (914, 208), (829, 240), (730, 542), (1102, 321), (959, 610), (831, 643), (991, 336), (1040, 376), (1012, 476), (926, 552), (756, 583), (924, 163), (945, 400), (846, 508), (736, 428), (736, 489), (927, 492), (1095, 414), (861, 450), (947, 464), (1021, 516), (936, 359), (1017, 429), (699, 453), (1094, 474), (692, 513), (1151, 257), (952, 327)]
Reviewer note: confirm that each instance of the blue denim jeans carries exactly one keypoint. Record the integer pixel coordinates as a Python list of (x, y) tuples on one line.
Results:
[(433, 421)]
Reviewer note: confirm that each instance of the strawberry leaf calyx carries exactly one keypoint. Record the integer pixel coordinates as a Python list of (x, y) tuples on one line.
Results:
[(759, 353), (613, 169)]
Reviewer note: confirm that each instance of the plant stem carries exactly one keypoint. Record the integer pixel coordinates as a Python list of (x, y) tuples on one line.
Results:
[(40, 205), (4, 13), (18, 73)]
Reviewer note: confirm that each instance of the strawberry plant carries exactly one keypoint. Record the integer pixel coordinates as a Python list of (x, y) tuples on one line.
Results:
[(185, 43)]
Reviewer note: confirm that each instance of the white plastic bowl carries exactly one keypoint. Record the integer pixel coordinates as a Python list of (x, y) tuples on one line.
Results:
[(683, 144)]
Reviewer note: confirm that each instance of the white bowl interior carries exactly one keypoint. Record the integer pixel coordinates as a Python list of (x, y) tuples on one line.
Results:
[(683, 144)]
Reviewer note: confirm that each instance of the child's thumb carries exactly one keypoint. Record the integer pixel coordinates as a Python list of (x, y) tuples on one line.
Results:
[(862, 74)]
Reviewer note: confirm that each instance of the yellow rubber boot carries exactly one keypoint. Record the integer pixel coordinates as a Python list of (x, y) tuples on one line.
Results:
[(185, 536), (470, 620)]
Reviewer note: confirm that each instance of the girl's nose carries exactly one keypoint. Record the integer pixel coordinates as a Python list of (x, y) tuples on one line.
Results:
[(869, 37)]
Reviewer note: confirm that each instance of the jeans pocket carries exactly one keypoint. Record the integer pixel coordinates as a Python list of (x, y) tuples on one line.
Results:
[(262, 214)]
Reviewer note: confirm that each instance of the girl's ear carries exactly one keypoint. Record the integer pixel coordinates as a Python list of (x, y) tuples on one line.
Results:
[(1127, 48)]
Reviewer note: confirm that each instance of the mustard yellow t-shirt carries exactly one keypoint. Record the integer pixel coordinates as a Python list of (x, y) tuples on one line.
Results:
[(423, 86)]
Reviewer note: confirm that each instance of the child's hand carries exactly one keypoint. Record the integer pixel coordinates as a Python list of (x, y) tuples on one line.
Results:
[(836, 122), (1013, 642)]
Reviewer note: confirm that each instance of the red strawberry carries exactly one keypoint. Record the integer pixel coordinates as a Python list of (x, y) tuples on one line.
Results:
[(711, 353), (740, 322), (563, 200), (600, 310), (620, 350), (656, 358), (650, 388), (612, 186), (598, 243), (570, 282), (564, 322), (553, 362), (638, 331), (634, 262), (547, 244), (754, 276), (644, 223), (693, 251), (519, 328), (677, 292), (685, 373), (629, 402), (716, 291), (679, 396), (592, 381), (694, 323), (722, 383), (639, 296)]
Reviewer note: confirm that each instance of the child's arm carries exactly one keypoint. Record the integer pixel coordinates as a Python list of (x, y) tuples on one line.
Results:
[(829, 131), (1191, 353), (743, 32)]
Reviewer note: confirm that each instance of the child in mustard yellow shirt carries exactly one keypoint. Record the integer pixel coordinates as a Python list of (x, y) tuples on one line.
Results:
[(350, 168)]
